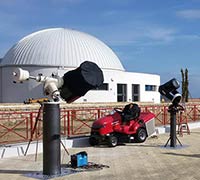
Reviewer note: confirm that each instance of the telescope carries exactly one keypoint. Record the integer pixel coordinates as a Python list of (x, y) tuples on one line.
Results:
[(169, 90), (71, 86)]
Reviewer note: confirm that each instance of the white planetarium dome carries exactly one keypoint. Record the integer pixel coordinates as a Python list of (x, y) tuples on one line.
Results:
[(61, 47)]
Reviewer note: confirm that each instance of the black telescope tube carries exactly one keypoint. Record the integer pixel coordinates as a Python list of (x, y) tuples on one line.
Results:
[(79, 81), (51, 139)]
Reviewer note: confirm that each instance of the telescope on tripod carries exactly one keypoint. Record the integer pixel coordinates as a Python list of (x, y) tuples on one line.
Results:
[(71, 86), (169, 90)]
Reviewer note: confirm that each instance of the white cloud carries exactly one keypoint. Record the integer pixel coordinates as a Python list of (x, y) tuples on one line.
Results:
[(127, 34), (189, 13), (189, 37), (160, 34)]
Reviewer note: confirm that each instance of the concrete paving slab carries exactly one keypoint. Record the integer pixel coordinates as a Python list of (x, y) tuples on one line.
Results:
[(149, 160)]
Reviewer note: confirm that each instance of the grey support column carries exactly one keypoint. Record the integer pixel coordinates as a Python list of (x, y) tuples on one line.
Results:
[(173, 127), (51, 139)]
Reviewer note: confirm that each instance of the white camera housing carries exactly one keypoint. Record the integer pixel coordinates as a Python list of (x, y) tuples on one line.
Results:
[(20, 75)]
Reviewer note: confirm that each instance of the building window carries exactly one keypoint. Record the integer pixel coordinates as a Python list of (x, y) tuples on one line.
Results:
[(135, 92), (150, 87), (104, 86), (121, 92)]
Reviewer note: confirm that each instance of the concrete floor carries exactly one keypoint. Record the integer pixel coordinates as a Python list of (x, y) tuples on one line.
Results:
[(146, 161)]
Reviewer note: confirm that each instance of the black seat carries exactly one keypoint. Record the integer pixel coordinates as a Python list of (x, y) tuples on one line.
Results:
[(131, 111)]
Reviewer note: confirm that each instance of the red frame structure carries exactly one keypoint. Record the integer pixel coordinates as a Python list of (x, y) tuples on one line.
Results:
[(17, 126)]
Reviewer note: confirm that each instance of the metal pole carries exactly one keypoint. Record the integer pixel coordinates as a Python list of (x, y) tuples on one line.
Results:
[(173, 127), (51, 139), (173, 109)]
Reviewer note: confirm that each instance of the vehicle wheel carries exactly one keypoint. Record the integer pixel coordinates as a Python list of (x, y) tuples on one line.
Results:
[(141, 135), (93, 141), (112, 141)]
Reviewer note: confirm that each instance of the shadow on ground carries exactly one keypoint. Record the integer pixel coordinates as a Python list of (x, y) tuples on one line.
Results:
[(185, 155)]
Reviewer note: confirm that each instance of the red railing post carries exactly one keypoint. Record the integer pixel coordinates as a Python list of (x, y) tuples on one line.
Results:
[(146, 109), (68, 124), (195, 112), (27, 126), (165, 111), (65, 124), (31, 125), (98, 113)]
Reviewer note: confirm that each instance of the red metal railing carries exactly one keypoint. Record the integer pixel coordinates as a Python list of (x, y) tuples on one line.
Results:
[(79, 121), (17, 126), (14, 126)]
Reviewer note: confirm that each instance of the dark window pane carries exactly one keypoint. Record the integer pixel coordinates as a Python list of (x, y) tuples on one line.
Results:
[(150, 87), (135, 92), (121, 92)]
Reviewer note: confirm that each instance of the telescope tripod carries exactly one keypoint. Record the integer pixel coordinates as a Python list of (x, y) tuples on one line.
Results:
[(173, 109), (38, 119)]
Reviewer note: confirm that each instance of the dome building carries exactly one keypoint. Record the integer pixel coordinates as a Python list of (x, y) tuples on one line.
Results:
[(59, 50)]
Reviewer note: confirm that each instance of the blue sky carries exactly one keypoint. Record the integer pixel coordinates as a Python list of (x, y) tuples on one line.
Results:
[(151, 36)]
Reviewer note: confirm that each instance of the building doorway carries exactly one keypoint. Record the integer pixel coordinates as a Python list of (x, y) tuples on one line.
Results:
[(121, 92), (135, 92)]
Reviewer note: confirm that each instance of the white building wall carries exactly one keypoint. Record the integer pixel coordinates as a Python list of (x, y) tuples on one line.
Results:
[(142, 79), (19, 92), (119, 77)]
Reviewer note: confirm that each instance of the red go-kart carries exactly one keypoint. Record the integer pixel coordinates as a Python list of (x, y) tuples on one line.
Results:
[(111, 129)]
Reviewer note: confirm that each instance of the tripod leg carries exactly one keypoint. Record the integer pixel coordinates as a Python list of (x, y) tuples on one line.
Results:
[(27, 147), (64, 147), (179, 141), (37, 143), (167, 142), (33, 131), (36, 151)]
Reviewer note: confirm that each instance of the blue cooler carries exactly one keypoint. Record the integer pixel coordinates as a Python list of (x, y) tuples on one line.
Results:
[(79, 159)]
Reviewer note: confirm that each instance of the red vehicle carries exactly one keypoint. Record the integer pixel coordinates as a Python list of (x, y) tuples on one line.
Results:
[(111, 129)]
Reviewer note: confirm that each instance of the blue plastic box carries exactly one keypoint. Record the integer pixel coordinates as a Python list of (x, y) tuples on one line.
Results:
[(79, 159)]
